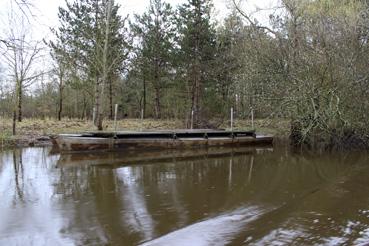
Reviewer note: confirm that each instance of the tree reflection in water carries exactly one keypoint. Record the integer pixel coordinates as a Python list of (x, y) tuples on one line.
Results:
[(18, 175), (304, 198)]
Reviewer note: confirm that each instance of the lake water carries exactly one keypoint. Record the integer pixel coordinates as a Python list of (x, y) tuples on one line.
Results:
[(240, 197)]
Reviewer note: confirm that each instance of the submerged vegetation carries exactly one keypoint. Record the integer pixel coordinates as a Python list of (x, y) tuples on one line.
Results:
[(307, 66)]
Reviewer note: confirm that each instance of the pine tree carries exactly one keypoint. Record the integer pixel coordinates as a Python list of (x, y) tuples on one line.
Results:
[(156, 32), (228, 62), (197, 50), (92, 37)]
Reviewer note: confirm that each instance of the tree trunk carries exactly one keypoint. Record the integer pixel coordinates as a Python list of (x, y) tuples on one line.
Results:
[(111, 99), (14, 122), (144, 97), (157, 92), (84, 110), (157, 103), (195, 85), (76, 104), (196, 72), (100, 91), (156, 68), (19, 101), (60, 97), (98, 121)]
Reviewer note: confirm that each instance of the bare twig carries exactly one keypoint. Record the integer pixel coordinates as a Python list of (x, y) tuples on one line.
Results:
[(252, 23)]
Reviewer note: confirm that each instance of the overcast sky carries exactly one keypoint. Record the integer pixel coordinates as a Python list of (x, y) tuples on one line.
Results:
[(45, 14), (45, 11)]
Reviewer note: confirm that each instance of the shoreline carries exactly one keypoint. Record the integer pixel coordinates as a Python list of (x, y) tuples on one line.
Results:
[(22, 142), (37, 132)]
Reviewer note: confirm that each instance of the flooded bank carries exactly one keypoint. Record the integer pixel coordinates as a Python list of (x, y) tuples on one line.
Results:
[(253, 197)]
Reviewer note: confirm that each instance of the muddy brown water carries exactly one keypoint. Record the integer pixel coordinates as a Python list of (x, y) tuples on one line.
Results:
[(248, 197)]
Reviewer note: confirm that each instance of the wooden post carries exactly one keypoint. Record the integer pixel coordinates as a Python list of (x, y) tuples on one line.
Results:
[(191, 119), (232, 119), (252, 118), (115, 117)]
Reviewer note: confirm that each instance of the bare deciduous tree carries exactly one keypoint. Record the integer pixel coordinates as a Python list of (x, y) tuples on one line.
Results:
[(20, 54)]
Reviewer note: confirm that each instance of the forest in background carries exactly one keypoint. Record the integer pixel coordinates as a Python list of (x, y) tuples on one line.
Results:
[(309, 65)]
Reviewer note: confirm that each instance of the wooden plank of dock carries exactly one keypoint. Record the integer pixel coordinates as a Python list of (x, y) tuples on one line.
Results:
[(169, 133)]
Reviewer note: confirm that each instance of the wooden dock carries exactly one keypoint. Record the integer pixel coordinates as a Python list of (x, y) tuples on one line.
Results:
[(170, 139)]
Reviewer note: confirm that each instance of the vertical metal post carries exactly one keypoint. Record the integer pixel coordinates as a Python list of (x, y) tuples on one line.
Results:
[(252, 118), (232, 119), (191, 119), (115, 117)]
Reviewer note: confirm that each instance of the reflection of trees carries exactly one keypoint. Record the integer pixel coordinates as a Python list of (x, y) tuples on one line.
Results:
[(73, 182), (136, 215), (187, 191), (18, 175), (101, 199), (202, 186), (27, 200), (139, 202), (79, 191), (304, 188)]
